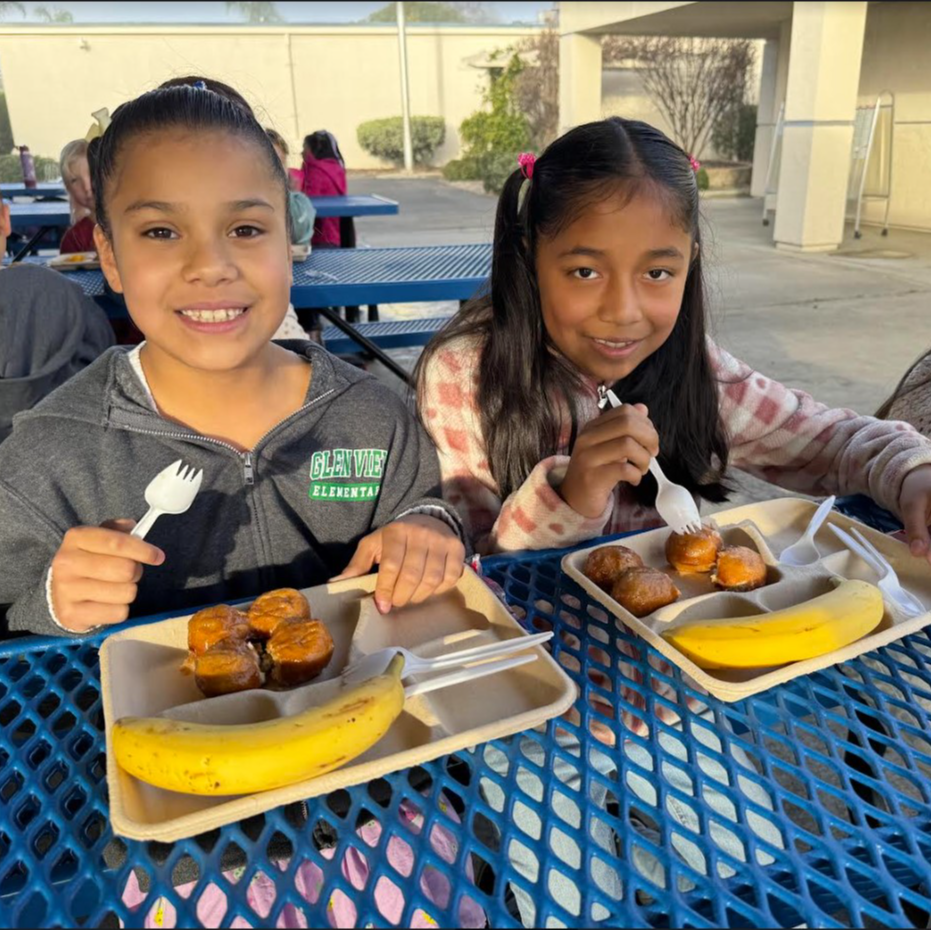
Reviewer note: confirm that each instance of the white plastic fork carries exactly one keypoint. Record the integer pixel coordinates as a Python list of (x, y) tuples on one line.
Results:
[(888, 582), (804, 552), (374, 664), (674, 503), (172, 491)]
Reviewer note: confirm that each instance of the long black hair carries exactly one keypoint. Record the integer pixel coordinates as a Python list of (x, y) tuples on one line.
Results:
[(202, 104), (521, 372)]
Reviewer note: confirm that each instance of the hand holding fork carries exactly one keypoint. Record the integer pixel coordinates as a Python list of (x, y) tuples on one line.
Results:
[(93, 577)]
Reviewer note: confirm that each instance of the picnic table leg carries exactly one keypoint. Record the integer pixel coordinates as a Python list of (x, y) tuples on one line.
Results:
[(28, 247), (373, 313), (365, 343)]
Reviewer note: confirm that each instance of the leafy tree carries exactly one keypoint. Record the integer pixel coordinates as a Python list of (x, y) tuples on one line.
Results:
[(424, 11), (55, 15), (260, 14), (6, 129), (536, 87), (10, 6)]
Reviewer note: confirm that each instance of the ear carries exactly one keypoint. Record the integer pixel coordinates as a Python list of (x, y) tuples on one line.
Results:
[(695, 250), (107, 259), (6, 226)]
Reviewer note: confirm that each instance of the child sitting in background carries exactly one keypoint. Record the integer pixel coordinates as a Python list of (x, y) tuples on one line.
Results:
[(323, 174), (301, 213), (76, 175), (48, 331), (911, 400)]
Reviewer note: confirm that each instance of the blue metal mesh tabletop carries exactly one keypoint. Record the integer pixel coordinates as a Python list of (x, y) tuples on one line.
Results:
[(810, 803)]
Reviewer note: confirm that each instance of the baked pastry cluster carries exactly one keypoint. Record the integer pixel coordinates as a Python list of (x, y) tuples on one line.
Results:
[(275, 643), (732, 568), (621, 573), (640, 589)]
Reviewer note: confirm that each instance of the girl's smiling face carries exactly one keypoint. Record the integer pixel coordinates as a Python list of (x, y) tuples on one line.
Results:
[(611, 283), (199, 246)]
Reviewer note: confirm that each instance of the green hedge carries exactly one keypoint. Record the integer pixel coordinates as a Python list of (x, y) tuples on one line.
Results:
[(385, 138), (492, 169), (11, 169), (702, 179)]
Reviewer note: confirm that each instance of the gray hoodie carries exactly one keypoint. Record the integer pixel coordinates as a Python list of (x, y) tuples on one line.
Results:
[(48, 331), (289, 513)]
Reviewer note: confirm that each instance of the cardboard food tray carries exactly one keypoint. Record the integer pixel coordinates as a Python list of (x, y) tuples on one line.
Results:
[(140, 675), (768, 527), (75, 261)]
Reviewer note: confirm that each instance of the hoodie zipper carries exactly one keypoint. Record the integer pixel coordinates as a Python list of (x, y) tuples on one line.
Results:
[(248, 466)]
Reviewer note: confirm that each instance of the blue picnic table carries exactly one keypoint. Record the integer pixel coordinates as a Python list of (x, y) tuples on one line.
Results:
[(58, 213), (543, 828), (44, 213), (347, 277), (42, 189)]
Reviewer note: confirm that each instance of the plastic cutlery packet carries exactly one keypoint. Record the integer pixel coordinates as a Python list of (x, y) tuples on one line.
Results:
[(338, 734), (734, 634)]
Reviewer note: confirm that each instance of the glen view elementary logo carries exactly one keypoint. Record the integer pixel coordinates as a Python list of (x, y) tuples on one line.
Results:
[(365, 466)]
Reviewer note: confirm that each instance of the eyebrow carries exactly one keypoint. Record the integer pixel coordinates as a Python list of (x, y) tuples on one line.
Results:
[(164, 206), (669, 252)]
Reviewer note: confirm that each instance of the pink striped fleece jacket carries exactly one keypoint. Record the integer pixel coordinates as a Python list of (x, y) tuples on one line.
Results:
[(777, 433)]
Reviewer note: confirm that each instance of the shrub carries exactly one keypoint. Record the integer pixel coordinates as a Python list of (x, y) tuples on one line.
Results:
[(385, 138), (462, 169), (702, 179), (495, 168), (735, 132), (6, 131), (11, 170)]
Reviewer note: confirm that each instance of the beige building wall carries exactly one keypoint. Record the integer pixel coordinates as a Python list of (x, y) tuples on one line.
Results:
[(299, 79), (897, 57)]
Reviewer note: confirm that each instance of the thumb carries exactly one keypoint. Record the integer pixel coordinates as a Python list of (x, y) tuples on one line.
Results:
[(642, 408), (123, 524), (915, 520), (366, 555)]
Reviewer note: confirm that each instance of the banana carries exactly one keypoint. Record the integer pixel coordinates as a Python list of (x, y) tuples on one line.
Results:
[(238, 759), (802, 631)]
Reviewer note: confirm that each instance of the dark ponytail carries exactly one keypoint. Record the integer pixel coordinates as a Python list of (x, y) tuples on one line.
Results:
[(524, 381), (202, 104)]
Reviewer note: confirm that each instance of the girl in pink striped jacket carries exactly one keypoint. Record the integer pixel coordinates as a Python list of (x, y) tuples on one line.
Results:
[(597, 282)]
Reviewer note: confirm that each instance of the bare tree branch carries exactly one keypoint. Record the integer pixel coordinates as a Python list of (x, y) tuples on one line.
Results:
[(692, 81)]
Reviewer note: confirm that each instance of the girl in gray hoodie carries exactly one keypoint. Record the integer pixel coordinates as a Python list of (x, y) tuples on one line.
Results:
[(311, 468)]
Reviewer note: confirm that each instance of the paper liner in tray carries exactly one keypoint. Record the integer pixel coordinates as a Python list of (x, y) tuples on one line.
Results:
[(768, 527), (140, 675)]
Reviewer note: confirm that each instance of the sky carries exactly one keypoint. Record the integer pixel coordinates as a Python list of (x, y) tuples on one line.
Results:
[(209, 12)]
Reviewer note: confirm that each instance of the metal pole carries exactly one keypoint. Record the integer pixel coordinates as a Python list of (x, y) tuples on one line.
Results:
[(405, 92)]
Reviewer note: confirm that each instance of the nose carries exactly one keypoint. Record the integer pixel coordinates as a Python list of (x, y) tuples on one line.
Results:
[(620, 305), (208, 261)]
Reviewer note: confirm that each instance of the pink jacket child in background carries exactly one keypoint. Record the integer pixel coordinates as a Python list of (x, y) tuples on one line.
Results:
[(323, 174)]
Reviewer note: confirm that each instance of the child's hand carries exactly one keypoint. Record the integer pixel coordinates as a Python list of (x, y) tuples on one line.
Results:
[(418, 556), (915, 508), (95, 572), (615, 447)]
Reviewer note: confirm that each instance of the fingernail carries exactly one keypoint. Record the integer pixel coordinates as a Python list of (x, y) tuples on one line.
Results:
[(161, 557), (383, 604)]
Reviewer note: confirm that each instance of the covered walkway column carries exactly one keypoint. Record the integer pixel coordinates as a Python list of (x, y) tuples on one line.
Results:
[(821, 97), (579, 79)]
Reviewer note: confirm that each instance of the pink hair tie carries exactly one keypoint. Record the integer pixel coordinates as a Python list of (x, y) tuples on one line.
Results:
[(694, 162), (526, 160)]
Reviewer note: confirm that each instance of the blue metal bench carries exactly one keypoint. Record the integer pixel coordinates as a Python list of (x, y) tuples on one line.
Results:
[(386, 334)]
